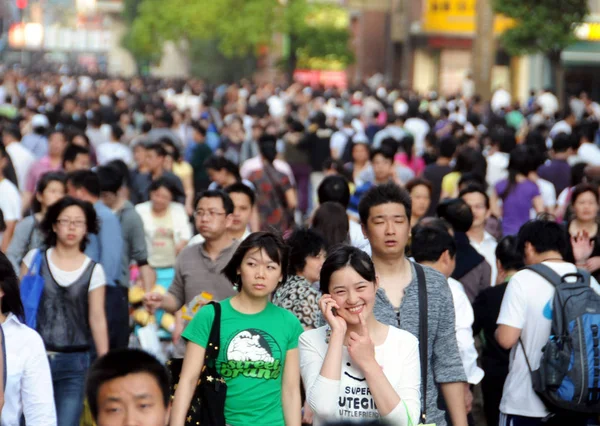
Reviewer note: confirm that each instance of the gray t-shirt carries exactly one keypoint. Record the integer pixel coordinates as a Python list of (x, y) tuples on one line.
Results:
[(444, 363), (134, 240)]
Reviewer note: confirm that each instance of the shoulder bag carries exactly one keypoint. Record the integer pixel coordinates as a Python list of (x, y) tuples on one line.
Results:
[(32, 287), (208, 403)]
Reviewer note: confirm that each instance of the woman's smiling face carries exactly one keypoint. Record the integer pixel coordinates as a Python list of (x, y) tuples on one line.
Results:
[(353, 294)]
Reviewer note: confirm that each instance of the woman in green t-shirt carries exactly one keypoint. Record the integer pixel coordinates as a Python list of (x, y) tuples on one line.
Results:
[(259, 342)]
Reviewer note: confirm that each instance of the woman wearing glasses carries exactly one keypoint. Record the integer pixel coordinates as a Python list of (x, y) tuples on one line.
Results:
[(167, 229), (71, 312)]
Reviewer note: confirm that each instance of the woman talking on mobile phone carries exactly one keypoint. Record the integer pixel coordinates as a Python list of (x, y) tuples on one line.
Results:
[(356, 367), (258, 355)]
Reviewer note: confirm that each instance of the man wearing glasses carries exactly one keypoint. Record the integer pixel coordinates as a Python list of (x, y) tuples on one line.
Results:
[(198, 267)]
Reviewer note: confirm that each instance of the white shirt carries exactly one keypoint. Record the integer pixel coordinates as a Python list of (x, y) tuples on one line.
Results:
[(548, 193), (255, 163), (339, 140), (10, 200), (419, 129), (590, 153), (108, 152), (349, 398), (29, 382), (500, 99), (22, 160), (357, 238), (463, 326), (67, 278), (549, 104), (560, 127), (487, 248), (527, 305), (199, 239), (497, 168)]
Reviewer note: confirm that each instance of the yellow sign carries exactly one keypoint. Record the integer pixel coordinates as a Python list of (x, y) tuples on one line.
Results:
[(456, 17), (588, 31)]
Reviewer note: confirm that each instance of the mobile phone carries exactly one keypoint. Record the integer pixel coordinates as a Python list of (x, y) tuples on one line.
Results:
[(334, 311)]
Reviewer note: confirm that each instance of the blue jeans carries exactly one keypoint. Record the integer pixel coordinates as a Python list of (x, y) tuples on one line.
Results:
[(68, 379)]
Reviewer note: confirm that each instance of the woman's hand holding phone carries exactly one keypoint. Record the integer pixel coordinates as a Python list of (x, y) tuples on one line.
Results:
[(328, 308)]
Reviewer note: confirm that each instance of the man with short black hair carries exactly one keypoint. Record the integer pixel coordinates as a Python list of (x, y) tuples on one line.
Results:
[(155, 162), (557, 170), (76, 158), (129, 387), (385, 217), (132, 227), (198, 267), (435, 172), (524, 323)]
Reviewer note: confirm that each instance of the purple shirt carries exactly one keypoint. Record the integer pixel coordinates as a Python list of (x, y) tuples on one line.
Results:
[(558, 172), (516, 204), (38, 168)]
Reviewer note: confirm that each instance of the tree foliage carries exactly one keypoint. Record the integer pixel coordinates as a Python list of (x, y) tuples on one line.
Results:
[(541, 26), (239, 27)]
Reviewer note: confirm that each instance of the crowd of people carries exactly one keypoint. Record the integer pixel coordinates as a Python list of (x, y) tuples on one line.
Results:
[(366, 248)]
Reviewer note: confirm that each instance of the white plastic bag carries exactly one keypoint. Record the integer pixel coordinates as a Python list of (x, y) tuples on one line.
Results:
[(149, 341)]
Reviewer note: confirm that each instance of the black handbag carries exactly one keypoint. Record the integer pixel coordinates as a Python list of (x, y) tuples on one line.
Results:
[(208, 403)]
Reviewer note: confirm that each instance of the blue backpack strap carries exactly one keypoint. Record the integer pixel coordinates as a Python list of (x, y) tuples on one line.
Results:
[(4, 366)]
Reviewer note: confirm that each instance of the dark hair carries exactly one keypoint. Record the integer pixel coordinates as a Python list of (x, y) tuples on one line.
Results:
[(331, 220), (14, 131), (303, 243), (219, 163), (72, 151), (583, 188), (111, 179), (175, 154), (216, 193), (85, 179), (468, 160), (156, 147), (91, 220), (428, 243), (408, 144), (536, 139), (588, 131), (457, 213), (199, 128), (120, 363), (271, 243), (163, 182), (447, 147), (342, 257), (9, 284), (383, 194), (116, 131), (267, 145), (334, 188), (503, 138), (578, 173), (561, 143), (241, 188), (411, 184), (507, 254), (476, 189), (544, 235), (43, 183), (519, 163), (119, 166), (387, 153), (146, 127)]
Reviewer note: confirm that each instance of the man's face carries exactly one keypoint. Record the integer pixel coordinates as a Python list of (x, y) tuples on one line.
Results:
[(211, 219), (81, 162), (382, 168), (387, 229), (132, 400), (241, 212), (476, 201), (154, 162), (56, 144)]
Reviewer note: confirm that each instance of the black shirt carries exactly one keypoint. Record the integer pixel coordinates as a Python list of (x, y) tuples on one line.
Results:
[(486, 309), (434, 173)]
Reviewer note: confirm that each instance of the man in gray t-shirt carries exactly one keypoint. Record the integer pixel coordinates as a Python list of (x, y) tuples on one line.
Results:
[(385, 216)]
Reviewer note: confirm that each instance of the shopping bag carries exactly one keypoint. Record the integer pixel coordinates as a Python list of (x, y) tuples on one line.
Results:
[(149, 340), (32, 288)]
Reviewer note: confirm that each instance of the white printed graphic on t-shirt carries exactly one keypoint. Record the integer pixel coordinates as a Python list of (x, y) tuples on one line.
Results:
[(356, 401)]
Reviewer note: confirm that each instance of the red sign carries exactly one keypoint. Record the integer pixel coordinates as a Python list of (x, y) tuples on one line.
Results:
[(337, 79), (21, 4)]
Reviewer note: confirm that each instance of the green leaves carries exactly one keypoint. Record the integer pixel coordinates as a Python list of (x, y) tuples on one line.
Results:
[(543, 26), (239, 26)]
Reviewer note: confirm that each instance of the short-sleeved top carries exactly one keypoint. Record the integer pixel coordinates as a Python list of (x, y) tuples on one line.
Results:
[(269, 198), (516, 205), (251, 359), (299, 297)]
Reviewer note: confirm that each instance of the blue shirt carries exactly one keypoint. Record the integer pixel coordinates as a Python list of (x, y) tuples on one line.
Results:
[(38, 144), (106, 248)]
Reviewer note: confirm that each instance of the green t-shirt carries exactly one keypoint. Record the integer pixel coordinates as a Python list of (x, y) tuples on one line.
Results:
[(251, 359)]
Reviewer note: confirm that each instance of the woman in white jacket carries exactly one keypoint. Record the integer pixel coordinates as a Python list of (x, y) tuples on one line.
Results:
[(167, 228), (357, 368)]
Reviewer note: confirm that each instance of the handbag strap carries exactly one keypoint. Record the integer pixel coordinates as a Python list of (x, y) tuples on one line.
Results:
[(214, 339), (4, 366), (423, 332), (36, 263)]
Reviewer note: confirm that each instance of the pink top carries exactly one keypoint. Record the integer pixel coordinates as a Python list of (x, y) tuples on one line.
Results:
[(417, 164), (40, 167)]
